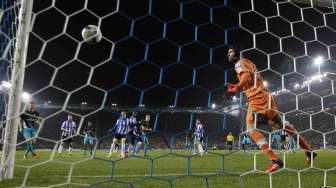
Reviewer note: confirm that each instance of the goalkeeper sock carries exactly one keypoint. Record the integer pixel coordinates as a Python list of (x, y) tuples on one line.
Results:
[(260, 140)]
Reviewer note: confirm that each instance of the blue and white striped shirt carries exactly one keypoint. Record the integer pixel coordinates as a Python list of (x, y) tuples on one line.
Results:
[(132, 124), (199, 131), (122, 126), (68, 128)]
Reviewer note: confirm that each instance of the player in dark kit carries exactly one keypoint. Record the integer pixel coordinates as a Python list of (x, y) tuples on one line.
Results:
[(142, 138), (28, 126), (89, 133)]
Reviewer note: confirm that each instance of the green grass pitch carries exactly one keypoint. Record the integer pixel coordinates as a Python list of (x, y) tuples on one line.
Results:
[(217, 169)]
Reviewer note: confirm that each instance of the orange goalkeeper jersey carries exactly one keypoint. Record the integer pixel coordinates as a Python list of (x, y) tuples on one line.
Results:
[(256, 85), (259, 98)]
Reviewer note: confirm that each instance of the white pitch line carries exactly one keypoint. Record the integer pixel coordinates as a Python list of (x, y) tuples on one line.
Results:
[(156, 175)]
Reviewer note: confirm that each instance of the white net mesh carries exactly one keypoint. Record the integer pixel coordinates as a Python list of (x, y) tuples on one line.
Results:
[(168, 58)]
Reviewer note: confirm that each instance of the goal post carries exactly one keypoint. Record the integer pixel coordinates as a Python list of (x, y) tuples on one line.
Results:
[(17, 78)]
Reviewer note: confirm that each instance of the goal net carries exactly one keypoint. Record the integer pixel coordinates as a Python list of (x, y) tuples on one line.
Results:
[(168, 59)]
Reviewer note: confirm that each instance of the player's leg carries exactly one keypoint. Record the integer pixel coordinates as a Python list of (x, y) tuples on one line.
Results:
[(137, 147), (278, 145), (60, 148), (130, 148), (91, 145), (26, 136), (32, 141), (27, 133), (194, 146), (123, 147), (146, 144), (248, 145), (261, 142), (130, 140), (70, 146), (290, 144), (139, 143), (293, 143), (85, 144), (32, 150), (114, 142), (289, 128), (200, 146)]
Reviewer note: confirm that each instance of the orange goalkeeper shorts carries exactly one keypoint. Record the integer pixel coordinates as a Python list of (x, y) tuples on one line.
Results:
[(262, 104)]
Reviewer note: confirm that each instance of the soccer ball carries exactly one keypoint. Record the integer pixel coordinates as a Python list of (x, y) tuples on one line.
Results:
[(91, 34)]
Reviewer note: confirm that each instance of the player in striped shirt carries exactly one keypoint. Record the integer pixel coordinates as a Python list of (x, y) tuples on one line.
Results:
[(121, 128), (198, 140), (68, 129), (133, 131), (29, 121)]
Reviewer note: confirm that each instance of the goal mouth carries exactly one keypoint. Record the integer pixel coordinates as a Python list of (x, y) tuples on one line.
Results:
[(189, 118)]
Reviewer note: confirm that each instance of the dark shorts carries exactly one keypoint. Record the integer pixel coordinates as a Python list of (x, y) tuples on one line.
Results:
[(283, 138), (67, 139), (142, 138), (131, 138), (120, 136), (200, 138), (229, 143)]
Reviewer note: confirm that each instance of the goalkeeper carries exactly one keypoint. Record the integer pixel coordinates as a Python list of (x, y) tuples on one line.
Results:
[(262, 108)]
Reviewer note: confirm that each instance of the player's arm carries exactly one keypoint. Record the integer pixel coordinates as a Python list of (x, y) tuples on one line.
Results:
[(245, 78), (244, 71), (148, 128), (74, 128), (134, 132), (144, 127), (37, 118), (114, 127), (63, 126), (21, 124)]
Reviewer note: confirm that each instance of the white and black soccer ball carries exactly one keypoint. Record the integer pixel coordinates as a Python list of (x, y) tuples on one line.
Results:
[(91, 34)]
